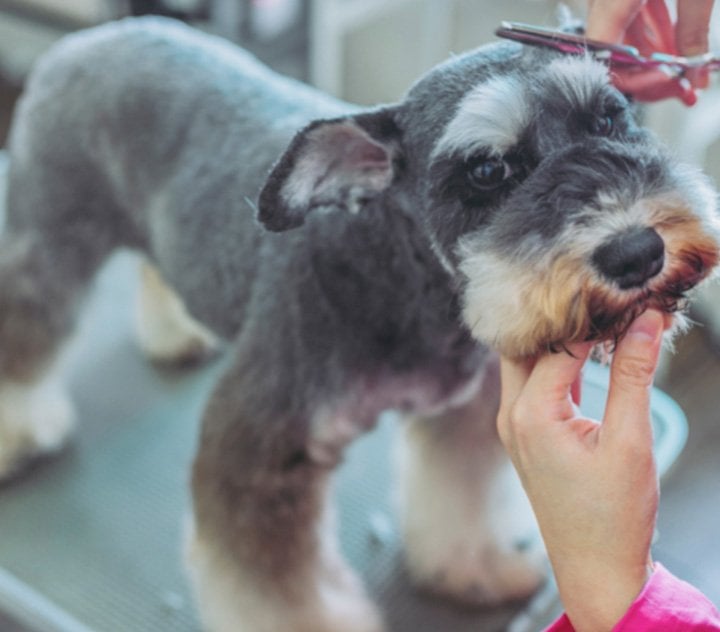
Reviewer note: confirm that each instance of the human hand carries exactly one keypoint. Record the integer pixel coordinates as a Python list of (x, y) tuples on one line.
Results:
[(646, 24), (593, 487)]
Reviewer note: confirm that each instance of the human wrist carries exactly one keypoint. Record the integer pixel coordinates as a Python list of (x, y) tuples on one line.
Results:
[(597, 597)]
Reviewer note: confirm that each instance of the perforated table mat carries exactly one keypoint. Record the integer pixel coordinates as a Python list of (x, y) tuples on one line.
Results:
[(91, 540)]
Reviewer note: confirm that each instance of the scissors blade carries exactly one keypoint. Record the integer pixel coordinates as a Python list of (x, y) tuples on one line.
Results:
[(569, 43)]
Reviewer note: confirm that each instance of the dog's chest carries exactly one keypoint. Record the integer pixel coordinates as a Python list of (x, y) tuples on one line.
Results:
[(428, 392), (375, 299)]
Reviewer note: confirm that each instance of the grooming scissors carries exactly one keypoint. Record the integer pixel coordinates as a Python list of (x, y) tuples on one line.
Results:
[(613, 54)]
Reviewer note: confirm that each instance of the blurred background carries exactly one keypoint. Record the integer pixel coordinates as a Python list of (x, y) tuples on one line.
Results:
[(370, 51)]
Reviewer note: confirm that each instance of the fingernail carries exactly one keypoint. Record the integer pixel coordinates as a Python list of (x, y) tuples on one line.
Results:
[(648, 326)]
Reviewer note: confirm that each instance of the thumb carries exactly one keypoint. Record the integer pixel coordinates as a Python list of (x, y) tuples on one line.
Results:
[(608, 21), (631, 375)]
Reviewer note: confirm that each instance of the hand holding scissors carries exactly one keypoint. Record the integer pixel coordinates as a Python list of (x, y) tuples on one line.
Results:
[(647, 25), (656, 60)]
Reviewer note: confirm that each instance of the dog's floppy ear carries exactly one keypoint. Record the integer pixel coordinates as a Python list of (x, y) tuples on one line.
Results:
[(336, 163)]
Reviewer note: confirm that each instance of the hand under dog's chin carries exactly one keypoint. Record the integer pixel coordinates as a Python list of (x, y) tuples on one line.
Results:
[(609, 325), (614, 329), (603, 325), (674, 322)]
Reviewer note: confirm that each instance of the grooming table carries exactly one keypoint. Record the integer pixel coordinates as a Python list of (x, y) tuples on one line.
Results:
[(91, 540)]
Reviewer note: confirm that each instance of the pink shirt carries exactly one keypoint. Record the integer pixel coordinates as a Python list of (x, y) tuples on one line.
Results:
[(665, 604)]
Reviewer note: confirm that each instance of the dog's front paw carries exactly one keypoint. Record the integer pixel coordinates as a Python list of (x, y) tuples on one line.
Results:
[(325, 596), (493, 556), (481, 576), (35, 419)]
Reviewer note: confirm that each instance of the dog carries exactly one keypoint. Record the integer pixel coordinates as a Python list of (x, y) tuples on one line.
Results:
[(354, 260)]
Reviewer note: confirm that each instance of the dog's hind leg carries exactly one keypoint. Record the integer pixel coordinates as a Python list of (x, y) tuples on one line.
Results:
[(166, 332), (43, 278), (59, 229), (262, 551), (468, 529)]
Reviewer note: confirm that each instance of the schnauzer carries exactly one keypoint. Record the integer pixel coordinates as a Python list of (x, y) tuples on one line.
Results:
[(375, 259)]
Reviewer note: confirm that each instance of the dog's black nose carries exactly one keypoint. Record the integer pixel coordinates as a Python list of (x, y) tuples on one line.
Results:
[(632, 258)]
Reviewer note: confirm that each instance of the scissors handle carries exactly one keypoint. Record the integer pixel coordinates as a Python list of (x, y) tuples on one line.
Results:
[(616, 54)]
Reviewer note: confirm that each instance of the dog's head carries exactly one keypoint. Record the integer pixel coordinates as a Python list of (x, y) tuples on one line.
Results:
[(561, 218)]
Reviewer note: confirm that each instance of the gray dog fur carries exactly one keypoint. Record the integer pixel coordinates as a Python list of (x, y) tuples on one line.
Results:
[(395, 247)]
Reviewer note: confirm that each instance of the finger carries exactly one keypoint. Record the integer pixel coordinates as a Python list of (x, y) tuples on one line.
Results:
[(551, 381), (608, 20), (653, 85), (691, 34), (652, 29), (693, 24), (639, 36), (631, 376), (514, 375), (659, 23)]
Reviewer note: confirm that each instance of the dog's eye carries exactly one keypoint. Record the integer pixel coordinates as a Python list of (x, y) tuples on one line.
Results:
[(601, 125), (489, 173)]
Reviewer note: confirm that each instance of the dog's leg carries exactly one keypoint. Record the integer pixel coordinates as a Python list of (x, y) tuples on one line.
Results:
[(312, 591), (43, 277), (468, 528), (262, 552), (166, 332)]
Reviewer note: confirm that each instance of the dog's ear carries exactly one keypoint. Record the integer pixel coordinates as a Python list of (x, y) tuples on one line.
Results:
[(337, 163)]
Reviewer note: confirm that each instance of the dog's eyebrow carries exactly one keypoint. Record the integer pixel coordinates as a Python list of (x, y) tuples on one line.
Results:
[(578, 79), (492, 117)]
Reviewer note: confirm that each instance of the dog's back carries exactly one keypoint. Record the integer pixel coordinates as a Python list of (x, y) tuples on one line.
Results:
[(151, 91), (142, 126)]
